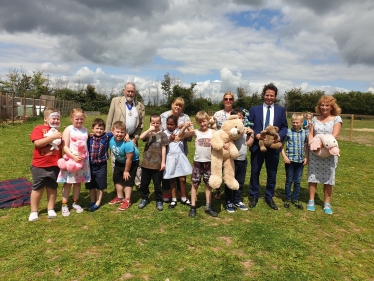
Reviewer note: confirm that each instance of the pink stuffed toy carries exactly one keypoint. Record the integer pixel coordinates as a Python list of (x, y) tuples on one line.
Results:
[(78, 149), (324, 145)]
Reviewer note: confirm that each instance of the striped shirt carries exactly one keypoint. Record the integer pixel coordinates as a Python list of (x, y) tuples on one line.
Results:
[(295, 141)]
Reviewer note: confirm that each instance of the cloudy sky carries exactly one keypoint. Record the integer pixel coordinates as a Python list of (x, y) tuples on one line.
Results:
[(218, 44)]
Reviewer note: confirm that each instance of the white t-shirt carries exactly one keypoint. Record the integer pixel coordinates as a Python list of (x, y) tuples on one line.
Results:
[(203, 149)]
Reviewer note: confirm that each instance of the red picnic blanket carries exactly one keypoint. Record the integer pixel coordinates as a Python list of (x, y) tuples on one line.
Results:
[(15, 193)]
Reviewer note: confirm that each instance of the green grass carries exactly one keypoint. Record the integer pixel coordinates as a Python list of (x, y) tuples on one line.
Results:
[(260, 244)]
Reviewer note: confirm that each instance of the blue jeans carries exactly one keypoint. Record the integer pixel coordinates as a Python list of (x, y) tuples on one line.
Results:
[(294, 171)]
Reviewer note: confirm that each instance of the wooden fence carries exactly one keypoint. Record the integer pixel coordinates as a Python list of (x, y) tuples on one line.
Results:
[(351, 117), (20, 108)]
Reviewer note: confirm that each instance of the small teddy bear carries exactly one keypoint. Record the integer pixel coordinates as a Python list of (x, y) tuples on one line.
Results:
[(55, 143), (67, 163), (271, 134), (212, 124), (324, 145)]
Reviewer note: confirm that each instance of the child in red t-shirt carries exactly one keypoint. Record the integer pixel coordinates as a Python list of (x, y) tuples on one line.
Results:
[(44, 169)]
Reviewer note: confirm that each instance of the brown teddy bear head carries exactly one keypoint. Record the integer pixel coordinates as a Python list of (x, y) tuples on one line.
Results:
[(234, 127), (271, 130)]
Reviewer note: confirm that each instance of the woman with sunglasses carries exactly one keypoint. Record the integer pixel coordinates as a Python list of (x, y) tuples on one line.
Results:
[(221, 116)]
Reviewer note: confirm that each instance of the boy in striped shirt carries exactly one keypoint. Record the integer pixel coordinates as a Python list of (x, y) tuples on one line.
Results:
[(295, 156)]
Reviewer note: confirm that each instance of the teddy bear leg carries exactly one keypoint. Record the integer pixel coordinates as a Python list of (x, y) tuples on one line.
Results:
[(262, 146), (215, 179), (229, 174), (61, 163)]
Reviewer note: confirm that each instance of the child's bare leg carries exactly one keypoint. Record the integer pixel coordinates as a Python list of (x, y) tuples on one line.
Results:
[(194, 194), (76, 191), (51, 198), (173, 188), (65, 192), (208, 194), (182, 181), (99, 197), (119, 190), (35, 197), (93, 193), (128, 191)]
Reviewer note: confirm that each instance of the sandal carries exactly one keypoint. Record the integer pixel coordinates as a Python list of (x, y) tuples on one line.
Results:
[(187, 202), (173, 204)]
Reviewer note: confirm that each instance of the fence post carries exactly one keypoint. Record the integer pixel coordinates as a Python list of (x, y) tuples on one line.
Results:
[(12, 108), (351, 133), (1, 106), (33, 106)]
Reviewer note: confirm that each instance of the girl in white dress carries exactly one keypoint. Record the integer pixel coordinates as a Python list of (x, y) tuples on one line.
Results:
[(177, 164)]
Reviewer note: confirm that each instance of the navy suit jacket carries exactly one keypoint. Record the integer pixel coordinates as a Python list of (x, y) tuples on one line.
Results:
[(256, 116)]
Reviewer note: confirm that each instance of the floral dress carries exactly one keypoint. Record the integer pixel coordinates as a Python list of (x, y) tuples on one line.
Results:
[(322, 170), (83, 175)]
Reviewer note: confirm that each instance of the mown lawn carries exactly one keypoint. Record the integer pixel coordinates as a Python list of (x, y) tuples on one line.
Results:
[(260, 244)]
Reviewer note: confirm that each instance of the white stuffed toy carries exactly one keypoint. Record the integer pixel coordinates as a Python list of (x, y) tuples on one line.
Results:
[(324, 145), (55, 143)]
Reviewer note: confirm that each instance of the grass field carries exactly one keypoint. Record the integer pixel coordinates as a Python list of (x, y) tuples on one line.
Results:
[(259, 244)]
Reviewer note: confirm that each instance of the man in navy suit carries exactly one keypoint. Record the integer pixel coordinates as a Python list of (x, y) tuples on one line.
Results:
[(261, 116)]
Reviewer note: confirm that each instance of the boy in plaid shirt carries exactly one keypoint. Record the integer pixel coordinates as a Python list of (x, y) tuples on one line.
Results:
[(295, 157), (98, 145)]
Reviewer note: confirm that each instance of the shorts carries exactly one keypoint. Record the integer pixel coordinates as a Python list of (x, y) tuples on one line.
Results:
[(200, 169), (98, 176), (119, 168), (44, 177)]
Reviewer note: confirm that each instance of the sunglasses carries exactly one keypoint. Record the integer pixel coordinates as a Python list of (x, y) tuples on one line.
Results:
[(229, 99)]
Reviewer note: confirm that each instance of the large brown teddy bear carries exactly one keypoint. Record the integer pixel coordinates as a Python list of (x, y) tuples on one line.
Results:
[(231, 130), (271, 134)]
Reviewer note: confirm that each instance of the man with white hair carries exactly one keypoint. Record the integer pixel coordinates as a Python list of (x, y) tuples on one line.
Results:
[(127, 110)]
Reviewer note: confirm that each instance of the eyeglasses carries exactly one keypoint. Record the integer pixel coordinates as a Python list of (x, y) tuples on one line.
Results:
[(229, 99)]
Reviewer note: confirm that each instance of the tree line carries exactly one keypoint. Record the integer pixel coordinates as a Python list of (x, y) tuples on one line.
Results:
[(37, 84)]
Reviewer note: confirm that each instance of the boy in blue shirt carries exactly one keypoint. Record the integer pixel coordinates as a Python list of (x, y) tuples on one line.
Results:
[(295, 157), (98, 145), (126, 164)]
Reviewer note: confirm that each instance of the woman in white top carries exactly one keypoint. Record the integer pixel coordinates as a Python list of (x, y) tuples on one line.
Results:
[(221, 116)]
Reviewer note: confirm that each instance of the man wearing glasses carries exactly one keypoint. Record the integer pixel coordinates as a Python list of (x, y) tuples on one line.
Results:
[(262, 115), (127, 110)]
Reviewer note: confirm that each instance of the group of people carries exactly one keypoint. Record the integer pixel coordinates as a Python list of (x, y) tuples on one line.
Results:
[(165, 159)]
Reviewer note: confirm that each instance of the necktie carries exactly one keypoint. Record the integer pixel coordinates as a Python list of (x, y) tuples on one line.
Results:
[(267, 120)]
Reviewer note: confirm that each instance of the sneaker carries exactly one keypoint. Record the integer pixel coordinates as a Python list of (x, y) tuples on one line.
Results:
[(287, 204), (93, 208), (116, 201), (211, 213), (65, 211), (52, 214), (173, 204), (166, 197), (125, 205), (143, 203), (298, 205), (327, 209), (159, 205), (77, 208), (230, 208), (33, 216), (187, 202), (192, 213), (241, 206), (311, 206)]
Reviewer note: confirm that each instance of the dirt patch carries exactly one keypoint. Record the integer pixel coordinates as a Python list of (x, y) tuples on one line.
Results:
[(361, 130)]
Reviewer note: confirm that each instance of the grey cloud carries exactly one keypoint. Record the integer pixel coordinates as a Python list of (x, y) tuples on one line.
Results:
[(97, 31)]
